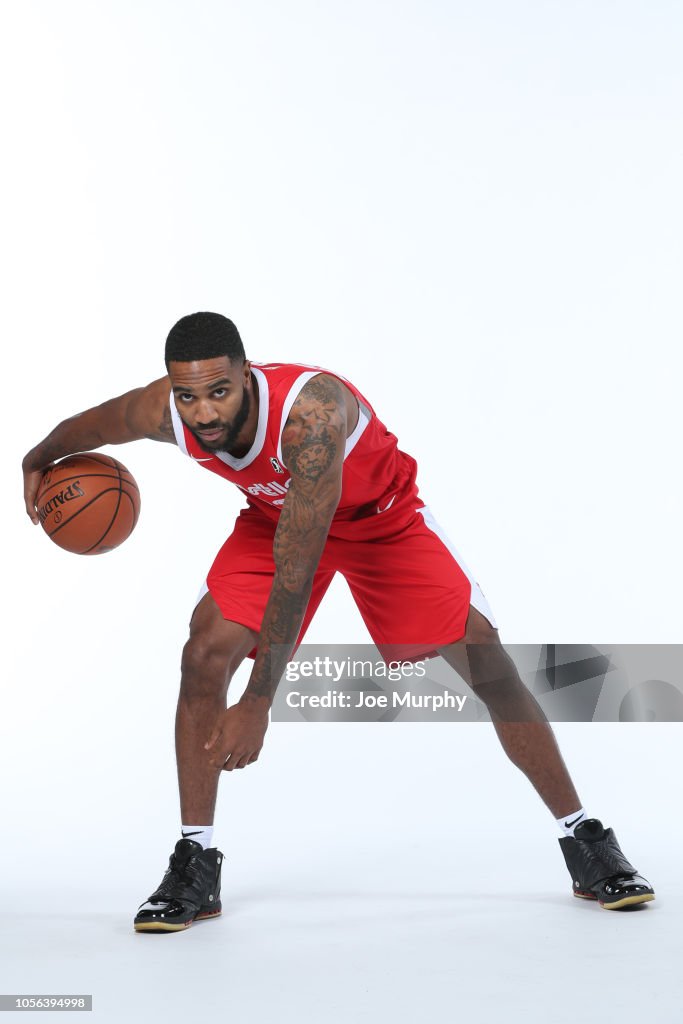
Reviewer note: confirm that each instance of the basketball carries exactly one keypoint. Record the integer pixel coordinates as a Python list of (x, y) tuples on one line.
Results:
[(88, 504)]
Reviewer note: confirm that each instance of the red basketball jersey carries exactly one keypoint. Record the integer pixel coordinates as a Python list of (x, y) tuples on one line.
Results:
[(378, 480)]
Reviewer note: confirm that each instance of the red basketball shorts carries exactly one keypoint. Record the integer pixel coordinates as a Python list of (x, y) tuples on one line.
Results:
[(412, 589)]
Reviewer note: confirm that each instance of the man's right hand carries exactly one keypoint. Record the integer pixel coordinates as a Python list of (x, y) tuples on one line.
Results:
[(32, 478)]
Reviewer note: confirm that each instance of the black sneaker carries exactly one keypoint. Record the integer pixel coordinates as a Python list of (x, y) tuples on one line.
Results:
[(599, 869), (189, 891)]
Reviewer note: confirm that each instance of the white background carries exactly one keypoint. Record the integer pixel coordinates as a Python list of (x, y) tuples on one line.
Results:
[(471, 210)]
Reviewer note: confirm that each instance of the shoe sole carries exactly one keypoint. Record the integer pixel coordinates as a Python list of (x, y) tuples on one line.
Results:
[(628, 901), (159, 926)]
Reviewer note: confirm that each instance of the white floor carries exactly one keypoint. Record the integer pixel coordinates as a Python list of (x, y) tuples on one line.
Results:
[(372, 873)]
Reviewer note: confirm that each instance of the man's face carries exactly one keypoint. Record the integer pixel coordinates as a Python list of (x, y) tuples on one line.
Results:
[(214, 398)]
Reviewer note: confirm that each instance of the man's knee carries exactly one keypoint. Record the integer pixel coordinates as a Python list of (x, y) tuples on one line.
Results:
[(477, 651), (206, 667)]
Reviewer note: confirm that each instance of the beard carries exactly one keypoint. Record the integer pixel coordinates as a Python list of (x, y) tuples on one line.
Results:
[(233, 428)]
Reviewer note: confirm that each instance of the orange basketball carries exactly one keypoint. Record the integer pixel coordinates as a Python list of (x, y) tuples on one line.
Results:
[(88, 504)]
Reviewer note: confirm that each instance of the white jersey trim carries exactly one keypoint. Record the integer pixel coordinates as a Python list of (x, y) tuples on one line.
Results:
[(203, 591), (363, 420), (296, 387), (477, 598), (353, 438)]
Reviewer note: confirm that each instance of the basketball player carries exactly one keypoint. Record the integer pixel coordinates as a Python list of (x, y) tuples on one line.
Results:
[(327, 491)]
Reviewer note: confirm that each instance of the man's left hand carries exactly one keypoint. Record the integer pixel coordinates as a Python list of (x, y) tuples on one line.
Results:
[(237, 737)]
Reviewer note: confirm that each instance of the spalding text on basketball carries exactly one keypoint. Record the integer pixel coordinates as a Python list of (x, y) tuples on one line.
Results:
[(68, 494)]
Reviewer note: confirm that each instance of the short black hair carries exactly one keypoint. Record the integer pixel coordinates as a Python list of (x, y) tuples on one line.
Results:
[(203, 336)]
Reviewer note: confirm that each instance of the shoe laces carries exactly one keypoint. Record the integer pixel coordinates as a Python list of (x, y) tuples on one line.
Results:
[(169, 881), (187, 882)]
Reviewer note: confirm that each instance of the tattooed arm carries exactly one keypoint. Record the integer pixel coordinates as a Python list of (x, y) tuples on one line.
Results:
[(313, 451), (313, 442), (141, 413)]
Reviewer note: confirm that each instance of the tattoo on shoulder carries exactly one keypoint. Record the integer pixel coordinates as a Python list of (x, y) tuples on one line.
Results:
[(164, 430), (315, 428)]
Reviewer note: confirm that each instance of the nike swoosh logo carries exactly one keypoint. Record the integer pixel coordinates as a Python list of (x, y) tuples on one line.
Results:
[(187, 834), (201, 460), (568, 824), (388, 505)]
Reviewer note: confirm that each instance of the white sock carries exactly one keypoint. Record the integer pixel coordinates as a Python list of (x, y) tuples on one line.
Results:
[(568, 823), (198, 834)]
